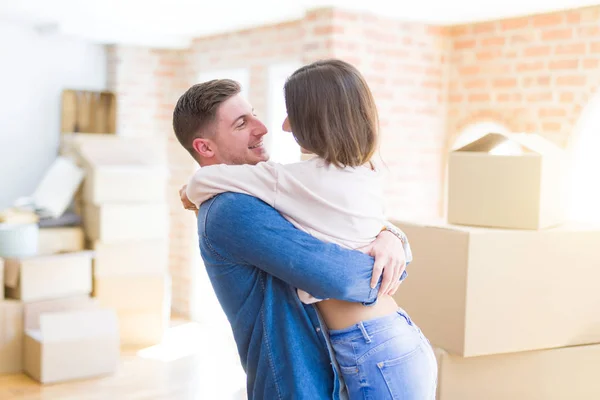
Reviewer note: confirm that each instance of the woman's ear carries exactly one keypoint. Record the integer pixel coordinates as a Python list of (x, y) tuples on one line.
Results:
[(286, 125), (203, 147)]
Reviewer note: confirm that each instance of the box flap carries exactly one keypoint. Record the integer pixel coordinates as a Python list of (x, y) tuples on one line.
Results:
[(528, 141), (124, 154), (11, 272), (33, 311), (80, 324), (58, 187)]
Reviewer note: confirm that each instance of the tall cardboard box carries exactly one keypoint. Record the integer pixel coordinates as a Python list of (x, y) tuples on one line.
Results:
[(557, 374), (132, 292), (135, 257), (123, 175), (479, 291), (61, 240), (48, 277), (11, 337), (111, 223), (143, 305), (524, 191), (1, 279), (72, 345)]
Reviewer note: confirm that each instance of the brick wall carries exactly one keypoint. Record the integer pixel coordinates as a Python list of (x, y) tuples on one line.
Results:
[(530, 74)]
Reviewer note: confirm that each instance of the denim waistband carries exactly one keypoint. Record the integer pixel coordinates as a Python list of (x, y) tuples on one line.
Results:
[(368, 327)]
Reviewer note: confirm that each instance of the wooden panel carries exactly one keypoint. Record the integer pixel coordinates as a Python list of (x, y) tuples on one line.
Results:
[(88, 112)]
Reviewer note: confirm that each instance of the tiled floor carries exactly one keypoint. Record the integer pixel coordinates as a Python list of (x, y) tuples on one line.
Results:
[(192, 363)]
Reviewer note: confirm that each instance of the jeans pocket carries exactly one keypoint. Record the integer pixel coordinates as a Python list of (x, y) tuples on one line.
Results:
[(353, 380), (408, 377)]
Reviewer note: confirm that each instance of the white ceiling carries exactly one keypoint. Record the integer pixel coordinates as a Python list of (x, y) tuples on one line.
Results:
[(172, 23)]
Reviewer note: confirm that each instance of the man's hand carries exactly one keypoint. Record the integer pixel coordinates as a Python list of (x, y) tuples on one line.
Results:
[(187, 204), (389, 260)]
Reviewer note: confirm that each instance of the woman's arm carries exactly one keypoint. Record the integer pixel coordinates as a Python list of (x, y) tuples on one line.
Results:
[(258, 180)]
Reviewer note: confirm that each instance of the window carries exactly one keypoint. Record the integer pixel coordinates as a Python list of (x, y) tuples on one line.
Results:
[(205, 307), (585, 166), (283, 147)]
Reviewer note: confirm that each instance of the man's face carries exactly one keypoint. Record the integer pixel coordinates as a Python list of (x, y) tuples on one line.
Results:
[(238, 134)]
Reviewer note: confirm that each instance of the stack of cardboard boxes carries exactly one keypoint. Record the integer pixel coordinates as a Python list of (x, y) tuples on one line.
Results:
[(50, 328), (125, 217), (506, 291)]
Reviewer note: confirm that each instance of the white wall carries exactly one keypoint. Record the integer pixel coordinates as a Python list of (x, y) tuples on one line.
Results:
[(33, 72)]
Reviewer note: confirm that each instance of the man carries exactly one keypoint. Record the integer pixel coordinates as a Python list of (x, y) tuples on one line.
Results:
[(256, 259)]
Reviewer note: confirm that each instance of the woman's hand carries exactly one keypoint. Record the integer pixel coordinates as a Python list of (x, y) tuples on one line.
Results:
[(187, 204), (390, 260)]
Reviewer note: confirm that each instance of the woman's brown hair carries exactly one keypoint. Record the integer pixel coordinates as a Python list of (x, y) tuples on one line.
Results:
[(332, 112)]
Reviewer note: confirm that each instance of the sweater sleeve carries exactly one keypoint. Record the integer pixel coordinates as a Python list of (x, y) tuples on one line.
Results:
[(258, 180)]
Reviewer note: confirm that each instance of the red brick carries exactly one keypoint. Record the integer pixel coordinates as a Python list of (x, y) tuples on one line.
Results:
[(544, 80), (558, 34), (505, 83), (469, 70), (464, 44), (574, 80), (486, 27), (553, 112), (574, 49), (551, 126), (588, 31), (459, 30), (515, 23), (522, 37), (537, 51), (487, 55), (475, 84), (509, 97), (590, 64), (567, 97), (563, 65), (547, 20), (530, 66), (494, 41), (595, 47), (539, 96), (573, 17), (479, 97), (590, 14), (328, 30), (455, 98)]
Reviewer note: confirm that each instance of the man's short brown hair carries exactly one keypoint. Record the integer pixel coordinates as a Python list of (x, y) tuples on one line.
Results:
[(197, 109), (332, 112)]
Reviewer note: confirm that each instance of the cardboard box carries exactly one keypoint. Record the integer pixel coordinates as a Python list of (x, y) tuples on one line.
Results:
[(140, 257), (525, 191), (143, 327), (111, 223), (72, 345), (133, 292), (48, 277), (73, 144), (61, 240), (122, 175), (11, 337), (33, 311), (558, 374), (1, 279), (477, 291)]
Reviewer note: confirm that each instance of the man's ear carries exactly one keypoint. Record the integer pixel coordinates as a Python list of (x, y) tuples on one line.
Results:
[(204, 147)]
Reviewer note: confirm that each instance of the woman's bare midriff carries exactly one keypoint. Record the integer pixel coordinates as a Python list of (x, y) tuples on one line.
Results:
[(342, 314)]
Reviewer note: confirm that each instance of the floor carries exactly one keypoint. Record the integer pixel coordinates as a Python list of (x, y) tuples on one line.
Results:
[(192, 363)]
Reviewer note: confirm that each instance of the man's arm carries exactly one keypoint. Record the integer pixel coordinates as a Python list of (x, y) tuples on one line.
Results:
[(244, 230)]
